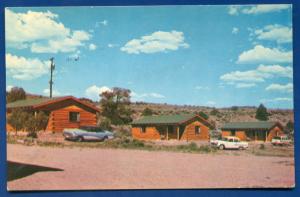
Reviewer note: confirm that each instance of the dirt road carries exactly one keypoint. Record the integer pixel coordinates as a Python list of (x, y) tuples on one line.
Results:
[(89, 168)]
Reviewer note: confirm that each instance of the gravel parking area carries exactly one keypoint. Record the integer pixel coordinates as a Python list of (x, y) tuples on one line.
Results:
[(92, 168)]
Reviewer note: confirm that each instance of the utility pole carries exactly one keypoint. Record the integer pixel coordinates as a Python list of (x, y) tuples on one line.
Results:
[(52, 67)]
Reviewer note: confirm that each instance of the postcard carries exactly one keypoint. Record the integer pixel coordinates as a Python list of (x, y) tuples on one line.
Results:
[(149, 97)]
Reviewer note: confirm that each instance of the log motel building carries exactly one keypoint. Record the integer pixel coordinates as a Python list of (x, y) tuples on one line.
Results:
[(63, 112), (167, 127), (253, 131)]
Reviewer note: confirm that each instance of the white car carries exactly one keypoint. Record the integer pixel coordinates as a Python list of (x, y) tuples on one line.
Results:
[(281, 141), (229, 142)]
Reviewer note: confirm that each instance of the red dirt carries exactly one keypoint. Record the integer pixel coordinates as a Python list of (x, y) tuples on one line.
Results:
[(88, 168)]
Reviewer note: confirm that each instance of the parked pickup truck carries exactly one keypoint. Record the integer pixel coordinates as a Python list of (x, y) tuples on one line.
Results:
[(229, 142), (85, 133), (281, 141)]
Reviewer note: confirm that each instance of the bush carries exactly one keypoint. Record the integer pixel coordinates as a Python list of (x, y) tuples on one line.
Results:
[(214, 112), (147, 112), (203, 115), (105, 124), (262, 147)]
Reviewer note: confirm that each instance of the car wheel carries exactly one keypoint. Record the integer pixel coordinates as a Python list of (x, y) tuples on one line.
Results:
[(221, 147), (105, 138), (241, 148), (80, 139)]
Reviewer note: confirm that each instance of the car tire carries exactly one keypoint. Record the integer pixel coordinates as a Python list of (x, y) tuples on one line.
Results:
[(80, 139), (221, 147), (241, 148), (105, 138)]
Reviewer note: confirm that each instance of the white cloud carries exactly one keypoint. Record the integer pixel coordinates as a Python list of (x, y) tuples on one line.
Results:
[(159, 41), (280, 88), (235, 30), (110, 45), (261, 54), (233, 9), (46, 92), (92, 47), (93, 92), (276, 100), (278, 33), (257, 9), (138, 97), (212, 103), (67, 44), (25, 69), (243, 79), (104, 23), (276, 70), (202, 88), (245, 85), (41, 32), (9, 87)]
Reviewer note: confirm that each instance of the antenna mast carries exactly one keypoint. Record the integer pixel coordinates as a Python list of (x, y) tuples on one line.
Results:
[(52, 67)]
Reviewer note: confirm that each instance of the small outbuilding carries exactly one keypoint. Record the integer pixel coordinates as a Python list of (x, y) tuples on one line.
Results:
[(63, 112), (166, 127), (253, 131)]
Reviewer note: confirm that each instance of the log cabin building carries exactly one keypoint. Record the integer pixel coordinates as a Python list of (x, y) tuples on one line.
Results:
[(253, 131), (63, 112), (167, 127)]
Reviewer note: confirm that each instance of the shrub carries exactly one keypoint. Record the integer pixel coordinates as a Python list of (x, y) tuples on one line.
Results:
[(203, 115), (105, 124), (262, 147), (147, 112)]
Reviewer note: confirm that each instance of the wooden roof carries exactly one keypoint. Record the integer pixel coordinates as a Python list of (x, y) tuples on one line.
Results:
[(39, 103)]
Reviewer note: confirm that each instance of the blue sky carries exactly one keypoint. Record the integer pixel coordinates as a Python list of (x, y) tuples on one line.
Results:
[(197, 55)]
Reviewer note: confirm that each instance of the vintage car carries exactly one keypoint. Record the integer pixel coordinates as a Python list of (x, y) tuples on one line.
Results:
[(281, 141), (87, 133), (229, 142)]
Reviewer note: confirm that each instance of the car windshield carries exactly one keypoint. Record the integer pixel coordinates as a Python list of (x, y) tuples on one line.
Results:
[(91, 129), (276, 138)]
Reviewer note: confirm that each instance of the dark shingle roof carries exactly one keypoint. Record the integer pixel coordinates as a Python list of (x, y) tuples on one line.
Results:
[(42, 102), (249, 125), (164, 119), (28, 102)]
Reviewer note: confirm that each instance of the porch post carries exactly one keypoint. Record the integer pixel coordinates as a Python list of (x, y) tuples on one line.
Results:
[(266, 136), (177, 128), (35, 114), (255, 132), (167, 133)]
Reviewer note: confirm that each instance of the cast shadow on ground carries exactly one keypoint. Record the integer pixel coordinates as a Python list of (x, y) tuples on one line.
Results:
[(17, 170)]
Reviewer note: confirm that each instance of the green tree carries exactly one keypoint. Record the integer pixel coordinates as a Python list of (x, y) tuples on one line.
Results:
[(17, 119), (35, 123), (105, 124), (214, 112), (289, 127), (203, 115), (262, 113), (147, 112), (115, 106), (16, 93)]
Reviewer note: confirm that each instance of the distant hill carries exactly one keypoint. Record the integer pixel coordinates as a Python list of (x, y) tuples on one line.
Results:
[(217, 115)]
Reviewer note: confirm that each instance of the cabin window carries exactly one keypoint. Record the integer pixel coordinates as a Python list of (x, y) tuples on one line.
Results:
[(143, 129), (74, 116), (197, 130)]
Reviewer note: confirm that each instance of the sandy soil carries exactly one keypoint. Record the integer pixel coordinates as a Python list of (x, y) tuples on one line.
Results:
[(88, 168)]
